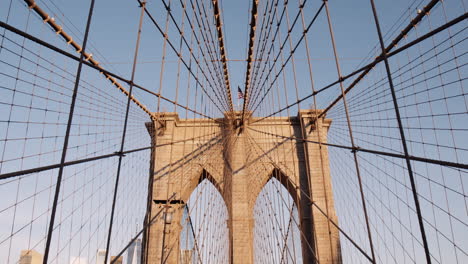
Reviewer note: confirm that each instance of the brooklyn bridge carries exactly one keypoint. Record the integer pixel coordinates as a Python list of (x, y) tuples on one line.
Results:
[(237, 132)]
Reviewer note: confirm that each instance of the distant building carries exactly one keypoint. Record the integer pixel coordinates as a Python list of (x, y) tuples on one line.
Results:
[(100, 256), (186, 256), (118, 261), (30, 257), (134, 252)]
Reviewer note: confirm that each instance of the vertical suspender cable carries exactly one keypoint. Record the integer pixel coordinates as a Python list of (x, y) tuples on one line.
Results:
[(67, 137), (402, 135), (356, 162), (109, 234)]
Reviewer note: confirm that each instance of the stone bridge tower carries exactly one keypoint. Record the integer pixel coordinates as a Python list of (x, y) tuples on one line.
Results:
[(239, 163)]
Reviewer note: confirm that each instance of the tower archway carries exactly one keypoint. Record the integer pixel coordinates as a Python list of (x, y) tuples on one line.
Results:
[(204, 237), (276, 225)]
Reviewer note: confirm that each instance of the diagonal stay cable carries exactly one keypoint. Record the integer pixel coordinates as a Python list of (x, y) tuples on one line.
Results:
[(372, 64), (7, 175), (145, 226), (265, 28), (358, 247), (281, 47), (88, 56), (357, 148), (283, 66), (174, 49), (368, 67), (193, 231), (100, 69), (204, 38), (91, 62), (215, 50), (425, 11), (204, 56)]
